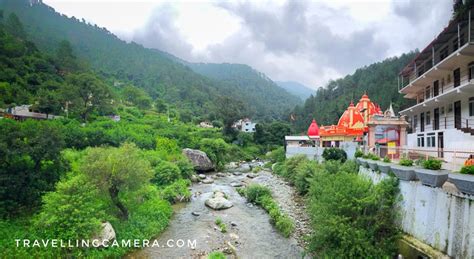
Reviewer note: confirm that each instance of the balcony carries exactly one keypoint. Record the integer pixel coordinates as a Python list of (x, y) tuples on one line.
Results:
[(451, 95), (460, 57)]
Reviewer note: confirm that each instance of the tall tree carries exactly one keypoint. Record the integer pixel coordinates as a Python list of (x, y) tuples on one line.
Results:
[(117, 170), (87, 94), (230, 110)]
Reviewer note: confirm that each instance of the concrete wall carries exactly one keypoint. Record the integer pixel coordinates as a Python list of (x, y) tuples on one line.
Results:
[(440, 219)]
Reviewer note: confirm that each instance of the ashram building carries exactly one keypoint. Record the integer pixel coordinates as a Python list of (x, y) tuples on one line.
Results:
[(352, 125), (440, 79)]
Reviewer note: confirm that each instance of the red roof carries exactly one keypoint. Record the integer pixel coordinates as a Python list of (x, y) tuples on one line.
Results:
[(313, 130)]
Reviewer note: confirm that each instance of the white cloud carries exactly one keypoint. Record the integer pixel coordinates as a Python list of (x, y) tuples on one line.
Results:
[(305, 41)]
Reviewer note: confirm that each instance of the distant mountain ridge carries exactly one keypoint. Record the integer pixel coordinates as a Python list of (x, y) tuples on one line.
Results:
[(157, 72), (295, 88)]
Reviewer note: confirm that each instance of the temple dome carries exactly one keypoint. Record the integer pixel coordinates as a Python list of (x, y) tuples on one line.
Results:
[(313, 130)]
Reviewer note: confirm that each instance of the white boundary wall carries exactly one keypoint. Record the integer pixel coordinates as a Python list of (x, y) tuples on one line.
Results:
[(438, 218)]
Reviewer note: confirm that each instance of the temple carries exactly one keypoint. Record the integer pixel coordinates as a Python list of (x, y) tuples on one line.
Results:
[(352, 125)]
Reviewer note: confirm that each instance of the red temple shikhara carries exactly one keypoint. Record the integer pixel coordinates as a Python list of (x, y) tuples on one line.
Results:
[(351, 126)]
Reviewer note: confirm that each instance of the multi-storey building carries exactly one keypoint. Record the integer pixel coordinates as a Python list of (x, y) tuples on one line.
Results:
[(441, 81)]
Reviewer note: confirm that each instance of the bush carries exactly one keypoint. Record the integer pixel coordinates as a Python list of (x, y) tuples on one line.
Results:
[(334, 154), (386, 159), (216, 255), (467, 170), (350, 166), (351, 217), (277, 155), (285, 225), (358, 153), (166, 173), (261, 196), (254, 192), (177, 191), (432, 164), (72, 212), (290, 167), (406, 162), (304, 172)]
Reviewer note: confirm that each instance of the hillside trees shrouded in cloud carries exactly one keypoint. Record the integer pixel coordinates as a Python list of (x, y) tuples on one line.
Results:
[(379, 80), (157, 72)]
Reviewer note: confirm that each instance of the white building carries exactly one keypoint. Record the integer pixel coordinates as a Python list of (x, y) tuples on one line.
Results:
[(245, 125), (441, 81)]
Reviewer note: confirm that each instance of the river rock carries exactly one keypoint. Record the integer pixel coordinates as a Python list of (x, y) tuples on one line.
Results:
[(233, 236), (220, 174), (218, 201), (107, 232), (236, 184), (244, 168), (195, 213), (236, 173), (199, 159), (194, 178), (251, 175), (202, 176), (231, 165), (232, 223), (207, 181)]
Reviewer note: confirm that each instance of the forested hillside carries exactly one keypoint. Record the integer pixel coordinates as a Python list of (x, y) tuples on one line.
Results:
[(379, 80), (269, 100), (295, 88), (161, 76)]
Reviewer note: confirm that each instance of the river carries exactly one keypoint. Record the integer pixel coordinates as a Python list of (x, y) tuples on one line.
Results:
[(249, 231)]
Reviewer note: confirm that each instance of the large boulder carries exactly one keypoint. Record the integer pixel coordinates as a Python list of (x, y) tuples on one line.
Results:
[(199, 159), (106, 234), (218, 201)]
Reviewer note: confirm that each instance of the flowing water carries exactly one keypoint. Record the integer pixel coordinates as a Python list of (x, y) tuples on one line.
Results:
[(248, 228)]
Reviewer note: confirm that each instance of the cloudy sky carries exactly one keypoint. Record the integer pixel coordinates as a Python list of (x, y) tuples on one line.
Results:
[(305, 41)]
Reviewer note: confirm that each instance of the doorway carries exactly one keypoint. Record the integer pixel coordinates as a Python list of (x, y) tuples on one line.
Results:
[(457, 114), (436, 119), (440, 144)]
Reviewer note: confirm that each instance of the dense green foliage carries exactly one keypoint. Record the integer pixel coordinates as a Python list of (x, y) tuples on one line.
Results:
[(271, 134), (379, 80), (432, 164), (467, 170), (262, 196), (352, 217), (30, 163), (334, 154)]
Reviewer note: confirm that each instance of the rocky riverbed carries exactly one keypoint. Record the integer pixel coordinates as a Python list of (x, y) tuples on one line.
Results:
[(249, 233)]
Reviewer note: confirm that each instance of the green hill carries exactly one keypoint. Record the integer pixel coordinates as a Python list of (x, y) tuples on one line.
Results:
[(298, 89), (156, 72), (254, 87), (379, 80)]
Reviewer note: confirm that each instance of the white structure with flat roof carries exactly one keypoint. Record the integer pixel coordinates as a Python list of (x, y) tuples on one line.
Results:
[(441, 81)]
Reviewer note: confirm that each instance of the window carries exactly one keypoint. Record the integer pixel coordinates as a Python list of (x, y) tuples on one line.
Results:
[(450, 108), (427, 93), (442, 110), (471, 70), (428, 118), (415, 121), (471, 106), (442, 84), (430, 140), (421, 140), (457, 77)]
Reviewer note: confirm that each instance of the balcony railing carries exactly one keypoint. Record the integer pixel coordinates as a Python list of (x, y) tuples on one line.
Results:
[(447, 123)]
